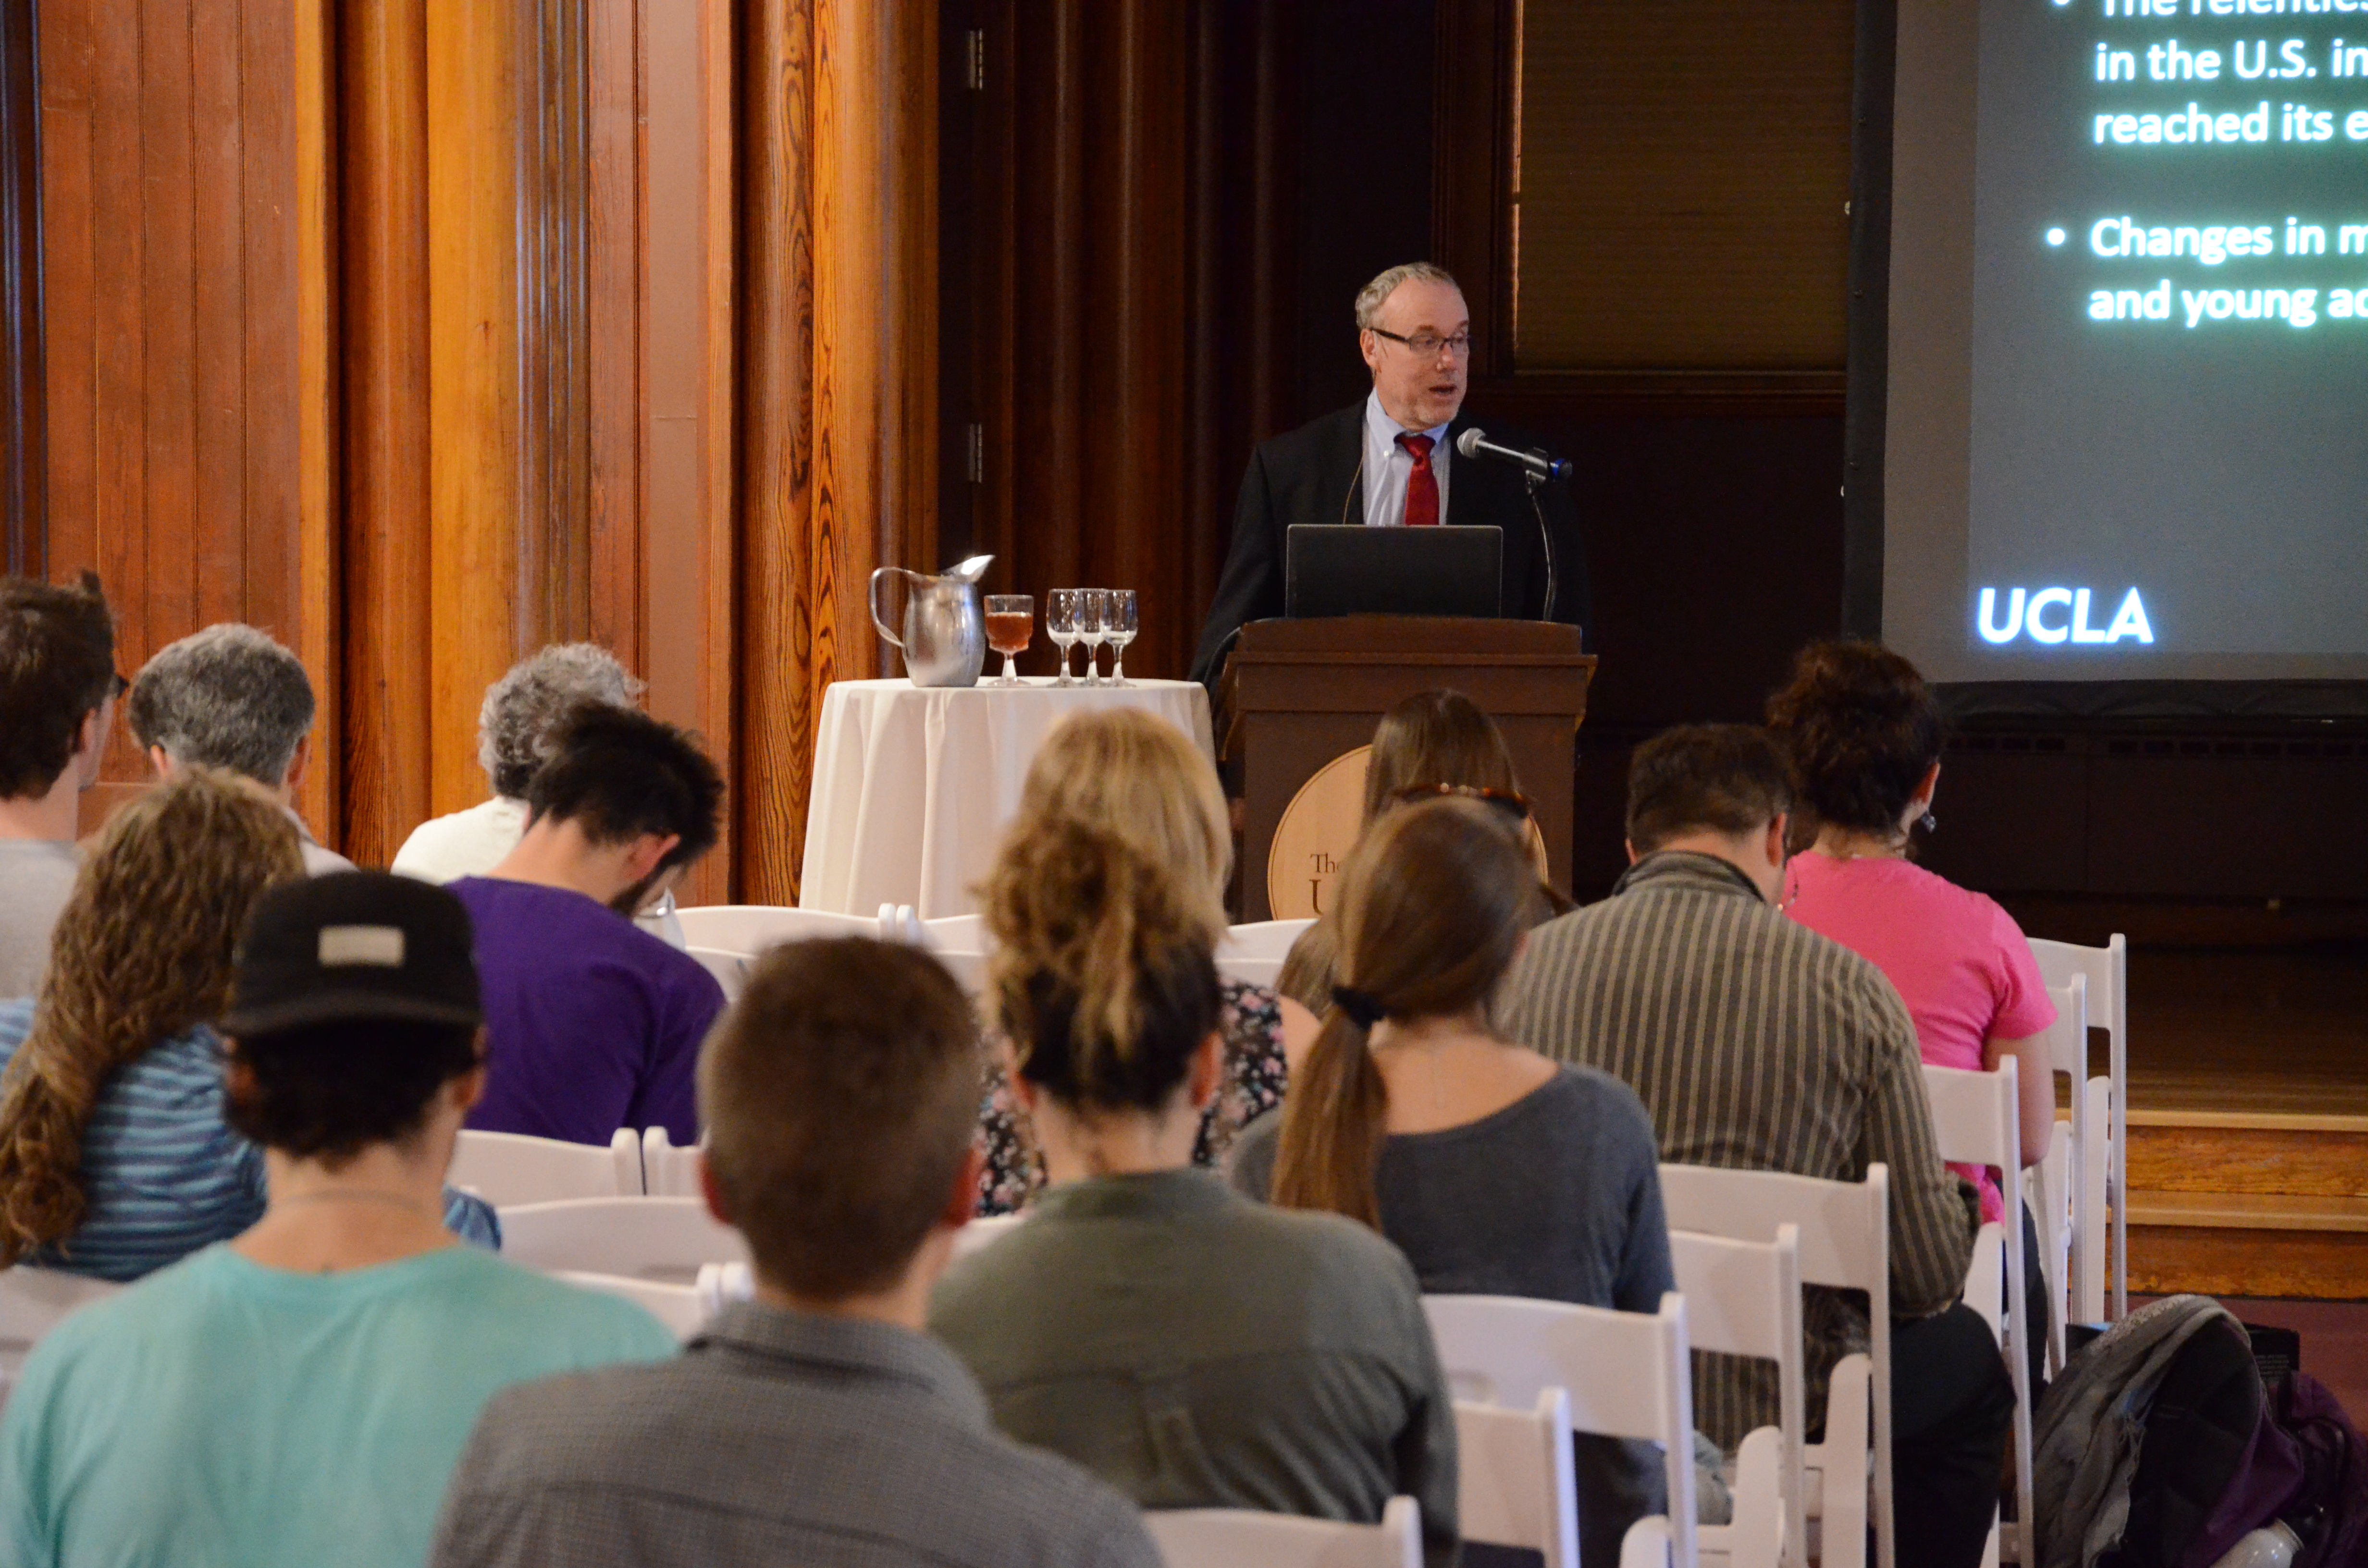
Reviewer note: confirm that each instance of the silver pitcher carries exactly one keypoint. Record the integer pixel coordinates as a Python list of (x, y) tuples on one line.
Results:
[(945, 636)]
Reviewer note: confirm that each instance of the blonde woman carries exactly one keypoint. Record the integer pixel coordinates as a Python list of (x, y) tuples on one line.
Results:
[(1194, 1349), (114, 1156), (1141, 779)]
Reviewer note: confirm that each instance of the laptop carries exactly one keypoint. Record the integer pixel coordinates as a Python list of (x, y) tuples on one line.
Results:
[(1350, 569)]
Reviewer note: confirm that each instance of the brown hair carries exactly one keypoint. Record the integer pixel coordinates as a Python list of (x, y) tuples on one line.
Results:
[(1861, 730), (1435, 737), (1138, 776), (1104, 970), (1724, 777), (141, 952), (840, 1092), (1433, 905), (57, 666)]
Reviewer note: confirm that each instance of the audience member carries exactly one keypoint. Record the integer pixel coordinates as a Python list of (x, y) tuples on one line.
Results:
[(1427, 745), (516, 728), (1863, 735), (230, 698), (1495, 1171), (1756, 1043), (299, 1396), (844, 1086), (114, 1159), (58, 688), (596, 1025), (1134, 775), (1193, 1347)]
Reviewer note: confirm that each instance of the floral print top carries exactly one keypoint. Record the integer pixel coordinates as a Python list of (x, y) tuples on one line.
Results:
[(1250, 1021)]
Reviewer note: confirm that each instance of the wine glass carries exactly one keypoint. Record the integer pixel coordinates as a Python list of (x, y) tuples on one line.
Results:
[(1089, 631), (1061, 625), (1118, 627), (1010, 623)]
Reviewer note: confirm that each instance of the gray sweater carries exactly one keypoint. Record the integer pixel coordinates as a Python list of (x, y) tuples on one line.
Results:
[(1196, 1351), (1557, 1197)]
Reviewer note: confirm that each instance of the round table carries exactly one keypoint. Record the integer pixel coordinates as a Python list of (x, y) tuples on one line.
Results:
[(912, 785)]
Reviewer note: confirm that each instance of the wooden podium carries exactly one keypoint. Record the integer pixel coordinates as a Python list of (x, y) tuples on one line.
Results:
[(1302, 693)]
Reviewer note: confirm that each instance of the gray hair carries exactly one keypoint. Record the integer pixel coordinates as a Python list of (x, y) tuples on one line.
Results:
[(525, 709), (229, 696), (1373, 295)]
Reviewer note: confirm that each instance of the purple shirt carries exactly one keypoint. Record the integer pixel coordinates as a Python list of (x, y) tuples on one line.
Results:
[(595, 1024)]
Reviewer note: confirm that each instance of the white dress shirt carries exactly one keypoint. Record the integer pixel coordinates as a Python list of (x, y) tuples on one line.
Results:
[(1388, 466)]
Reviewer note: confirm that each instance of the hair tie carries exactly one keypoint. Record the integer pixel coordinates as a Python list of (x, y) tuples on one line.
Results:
[(1365, 1010)]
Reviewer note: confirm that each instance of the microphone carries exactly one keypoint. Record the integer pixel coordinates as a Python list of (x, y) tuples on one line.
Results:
[(1533, 462)]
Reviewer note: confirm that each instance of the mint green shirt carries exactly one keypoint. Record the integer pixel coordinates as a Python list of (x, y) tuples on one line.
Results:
[(221, 1413)]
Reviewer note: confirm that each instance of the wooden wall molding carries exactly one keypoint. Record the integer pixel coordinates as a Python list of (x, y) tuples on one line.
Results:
[(24, 531)]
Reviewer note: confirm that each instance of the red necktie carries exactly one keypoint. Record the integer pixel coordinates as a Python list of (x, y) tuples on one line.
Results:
[(1422, 485)]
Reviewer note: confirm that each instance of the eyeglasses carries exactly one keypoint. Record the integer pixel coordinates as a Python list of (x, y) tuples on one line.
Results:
[(1427, 345), (1512, 803)]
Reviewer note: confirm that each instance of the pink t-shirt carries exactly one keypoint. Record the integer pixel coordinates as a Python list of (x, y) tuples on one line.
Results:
[(1958, 961)]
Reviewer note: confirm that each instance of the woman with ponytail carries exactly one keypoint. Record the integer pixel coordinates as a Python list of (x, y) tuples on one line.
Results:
[(1191, 1348), (114, 1156), (1495, 1171)]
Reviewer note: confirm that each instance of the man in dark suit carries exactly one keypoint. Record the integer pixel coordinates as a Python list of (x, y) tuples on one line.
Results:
[(1390, 461)]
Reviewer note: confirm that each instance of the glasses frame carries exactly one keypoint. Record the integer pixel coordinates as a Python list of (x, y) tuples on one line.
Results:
[(1461, 347), (1511, 802)]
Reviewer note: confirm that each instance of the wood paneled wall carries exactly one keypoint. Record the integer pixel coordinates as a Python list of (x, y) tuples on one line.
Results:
[(423, 332), (23, 449)]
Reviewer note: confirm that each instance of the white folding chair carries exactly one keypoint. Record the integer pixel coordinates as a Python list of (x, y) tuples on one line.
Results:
[(2079, 1280), (505, 1168), (752, 928), (979, 1234), (1514, 1479), (1975, 1121), (668, 1171), (677, 1306), (955, 933), (666, 1239), (721, 1284), (1262, 939), (2047, 1188), (1626, 1375), (1248, 970), (2107, 972), (32, 1302), (730, 970), (898, 923), (1240, 1538), (968, 968), (1744, 1299), (1845, 1238)]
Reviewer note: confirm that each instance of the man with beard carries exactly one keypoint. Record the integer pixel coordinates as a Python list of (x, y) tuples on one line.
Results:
[(1390, 461), (596, 1025)]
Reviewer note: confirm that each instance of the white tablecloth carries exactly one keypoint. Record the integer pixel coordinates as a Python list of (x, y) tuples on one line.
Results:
[(912, 785)]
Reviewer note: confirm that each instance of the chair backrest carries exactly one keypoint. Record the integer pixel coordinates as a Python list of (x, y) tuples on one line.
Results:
[(505, 1168), (1845, 1241), (668, 1171), (1514, 1482), (898, 923), (1261, 939), (32, 1302), (753, 928), (730, 970), (2107, 972), (1974, 1119), (967, 967), (979, 1234), (677, 1306), (955, 933), (665, 1239), (1744, 1299), (1232, 1538), (1249, 970), (1626, 1374)]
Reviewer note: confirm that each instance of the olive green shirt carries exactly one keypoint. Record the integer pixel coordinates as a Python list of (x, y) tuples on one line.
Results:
[(1198, 1350)]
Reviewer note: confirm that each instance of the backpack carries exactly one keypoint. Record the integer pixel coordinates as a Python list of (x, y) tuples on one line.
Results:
[(2210, 1466), (2329, 1510)]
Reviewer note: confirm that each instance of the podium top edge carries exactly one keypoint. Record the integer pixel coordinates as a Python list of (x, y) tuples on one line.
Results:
[(1412, 639)]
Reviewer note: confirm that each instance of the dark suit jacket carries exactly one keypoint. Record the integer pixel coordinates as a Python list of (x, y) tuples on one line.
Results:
[(1312, 476)]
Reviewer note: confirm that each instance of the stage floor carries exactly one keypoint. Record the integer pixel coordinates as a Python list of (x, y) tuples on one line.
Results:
[(2271, 1030)]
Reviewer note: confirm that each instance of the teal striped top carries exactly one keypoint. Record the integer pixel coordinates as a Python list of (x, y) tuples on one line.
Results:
[(163, 1174)]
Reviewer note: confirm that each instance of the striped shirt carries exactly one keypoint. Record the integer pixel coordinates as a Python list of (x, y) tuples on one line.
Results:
[(163, 1175), (1756, 1044)]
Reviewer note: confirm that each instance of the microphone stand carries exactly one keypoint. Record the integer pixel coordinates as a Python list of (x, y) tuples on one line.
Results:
[(1545, 535)]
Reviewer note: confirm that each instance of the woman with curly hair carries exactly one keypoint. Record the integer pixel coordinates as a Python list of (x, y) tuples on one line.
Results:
[(114, 1156), (1129, 773)]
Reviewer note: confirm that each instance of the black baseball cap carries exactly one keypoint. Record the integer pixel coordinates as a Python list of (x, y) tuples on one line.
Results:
[(352, 947)]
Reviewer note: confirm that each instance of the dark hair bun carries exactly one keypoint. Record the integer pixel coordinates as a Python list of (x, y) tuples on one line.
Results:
[(1859, 729)]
